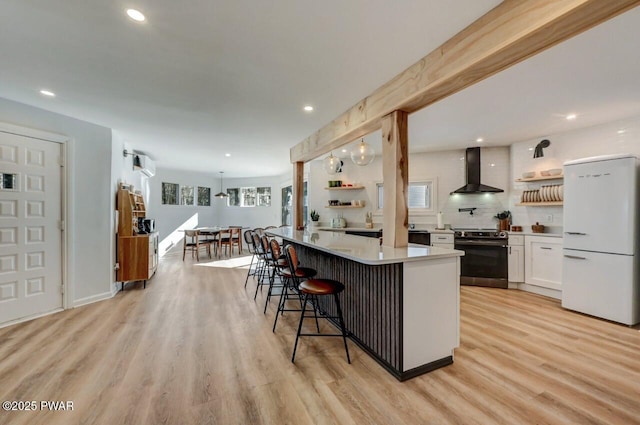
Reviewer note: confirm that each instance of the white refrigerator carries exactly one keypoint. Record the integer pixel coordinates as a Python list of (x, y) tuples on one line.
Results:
[(600, 244)]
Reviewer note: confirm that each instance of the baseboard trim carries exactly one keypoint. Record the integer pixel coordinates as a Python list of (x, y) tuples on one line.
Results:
[(547, 292), (27, 318), (93, 299)]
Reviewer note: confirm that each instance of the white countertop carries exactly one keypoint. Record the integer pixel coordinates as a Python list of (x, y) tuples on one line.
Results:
[(550, 235), (362, 249)]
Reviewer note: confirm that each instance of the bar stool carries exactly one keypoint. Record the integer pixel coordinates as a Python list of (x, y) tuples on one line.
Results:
[(261, 245), (252, 250), (278, 262), (314, 288), (293, 275)]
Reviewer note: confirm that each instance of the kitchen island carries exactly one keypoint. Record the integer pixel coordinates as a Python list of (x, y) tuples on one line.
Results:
[(400, 305)]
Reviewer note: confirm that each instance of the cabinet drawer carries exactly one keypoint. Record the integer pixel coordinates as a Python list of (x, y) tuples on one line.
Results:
[(439, 238), (516, 240)]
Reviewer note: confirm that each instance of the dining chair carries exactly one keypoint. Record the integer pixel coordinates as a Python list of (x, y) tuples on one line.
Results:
[(237, 238), (193, 243), (228, 238)]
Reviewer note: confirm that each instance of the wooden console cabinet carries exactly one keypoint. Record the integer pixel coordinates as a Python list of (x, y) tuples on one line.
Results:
[(137, 254)]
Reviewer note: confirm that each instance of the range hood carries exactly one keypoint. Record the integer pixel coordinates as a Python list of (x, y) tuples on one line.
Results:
[(473, 175)]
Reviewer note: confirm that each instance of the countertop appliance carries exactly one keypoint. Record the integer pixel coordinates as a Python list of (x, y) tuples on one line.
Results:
[(146, 225), (338, 222), (485, 261), (600, 244)]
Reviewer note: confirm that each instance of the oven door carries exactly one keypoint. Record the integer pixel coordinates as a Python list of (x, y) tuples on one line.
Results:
[(485, 263)]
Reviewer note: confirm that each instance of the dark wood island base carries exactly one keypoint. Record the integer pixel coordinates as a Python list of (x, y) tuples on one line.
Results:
[(402, 309)]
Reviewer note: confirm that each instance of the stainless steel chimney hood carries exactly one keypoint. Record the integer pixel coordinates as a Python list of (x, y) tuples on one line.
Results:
[(473, 175)]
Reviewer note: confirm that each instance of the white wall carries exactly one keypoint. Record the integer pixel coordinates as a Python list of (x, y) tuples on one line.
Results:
[(170, 219), (598, 140), (90, 226), (448, 168)]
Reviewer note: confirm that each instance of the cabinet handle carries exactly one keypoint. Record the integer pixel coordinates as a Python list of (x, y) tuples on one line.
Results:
[(509, 250), (442, 238), (575, 233), (575, 257), (545, 247)]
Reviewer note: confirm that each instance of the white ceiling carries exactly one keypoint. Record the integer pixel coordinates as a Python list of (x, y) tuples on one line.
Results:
[(203, 78)]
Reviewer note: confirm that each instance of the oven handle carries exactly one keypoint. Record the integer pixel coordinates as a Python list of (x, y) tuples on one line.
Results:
[(469, 243)]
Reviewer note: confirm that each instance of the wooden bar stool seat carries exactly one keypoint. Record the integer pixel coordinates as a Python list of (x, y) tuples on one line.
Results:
[(321, 287)]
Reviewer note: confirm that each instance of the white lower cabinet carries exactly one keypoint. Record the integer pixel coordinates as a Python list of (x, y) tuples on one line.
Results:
[(543, 261), (516, 258), (442, 240)]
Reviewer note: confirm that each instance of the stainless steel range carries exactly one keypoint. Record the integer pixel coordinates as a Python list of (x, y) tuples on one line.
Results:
[(485, 261)]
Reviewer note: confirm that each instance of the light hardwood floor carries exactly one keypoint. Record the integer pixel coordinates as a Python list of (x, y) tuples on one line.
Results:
[(194, 348)]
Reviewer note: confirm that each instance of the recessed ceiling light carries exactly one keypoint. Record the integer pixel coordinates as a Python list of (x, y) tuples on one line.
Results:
[(530, 149), (227, 155), (308, 108), (48, 93), (493, 165), (136, 15), (344, 151), (479, 140), (621, 131), (571, 117)]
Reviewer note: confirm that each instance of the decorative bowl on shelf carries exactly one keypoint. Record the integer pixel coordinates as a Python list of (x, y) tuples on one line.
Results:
[(544, 173), (555, 171), (529, 175)]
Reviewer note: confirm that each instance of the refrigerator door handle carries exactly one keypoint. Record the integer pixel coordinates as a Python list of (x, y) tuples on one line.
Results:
[(575, 233), (575, 257)]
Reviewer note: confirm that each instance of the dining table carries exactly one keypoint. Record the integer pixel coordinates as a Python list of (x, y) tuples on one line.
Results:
[(215, 230)]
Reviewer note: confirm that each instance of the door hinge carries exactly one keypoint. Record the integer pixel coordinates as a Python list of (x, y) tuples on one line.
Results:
[(62, 289), (61, 225), (61, 161)]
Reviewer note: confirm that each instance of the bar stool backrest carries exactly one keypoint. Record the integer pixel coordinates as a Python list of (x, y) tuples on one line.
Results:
[(292, 257), (257, 245), (265, 243), (275, 249), (248, 239)]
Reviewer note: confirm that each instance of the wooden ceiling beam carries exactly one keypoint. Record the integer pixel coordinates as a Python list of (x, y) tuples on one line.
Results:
[(506, 35)]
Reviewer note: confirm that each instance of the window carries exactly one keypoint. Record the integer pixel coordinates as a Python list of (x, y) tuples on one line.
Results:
[(287, 205), (421, 197)]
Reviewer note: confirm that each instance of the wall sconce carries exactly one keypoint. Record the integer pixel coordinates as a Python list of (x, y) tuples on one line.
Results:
[(221, 194), (363, 154), (332, 165), (538, 153)]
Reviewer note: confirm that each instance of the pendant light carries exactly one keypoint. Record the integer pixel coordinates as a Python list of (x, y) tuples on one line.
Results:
[(221, 194), (331, 164), (363, 154)]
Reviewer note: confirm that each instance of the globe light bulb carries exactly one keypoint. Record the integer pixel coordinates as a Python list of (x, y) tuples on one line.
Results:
[(363, 154)]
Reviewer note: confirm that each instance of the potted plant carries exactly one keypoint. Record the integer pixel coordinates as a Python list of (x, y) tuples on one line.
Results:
[(314, 218), (504, 219)]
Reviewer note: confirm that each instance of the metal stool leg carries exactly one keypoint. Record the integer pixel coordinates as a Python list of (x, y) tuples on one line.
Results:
[(343, 328), (295, 346)]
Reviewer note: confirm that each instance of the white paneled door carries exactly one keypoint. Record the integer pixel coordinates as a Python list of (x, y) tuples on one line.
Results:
[(30, 223)]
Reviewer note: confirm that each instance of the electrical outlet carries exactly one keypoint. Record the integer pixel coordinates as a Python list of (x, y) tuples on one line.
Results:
[(549, 218)]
